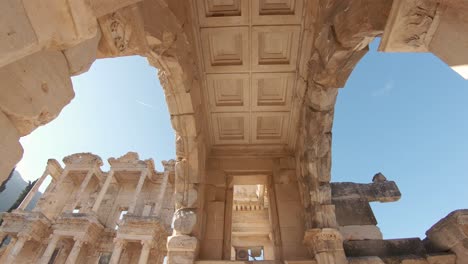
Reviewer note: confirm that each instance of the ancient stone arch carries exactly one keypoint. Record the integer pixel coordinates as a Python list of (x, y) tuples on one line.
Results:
[(241, 78)]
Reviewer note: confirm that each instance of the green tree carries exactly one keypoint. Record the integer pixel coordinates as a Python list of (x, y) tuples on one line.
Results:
[(19, 200)]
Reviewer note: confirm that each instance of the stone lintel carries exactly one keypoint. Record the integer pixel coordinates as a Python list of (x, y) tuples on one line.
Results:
[(142, 225), (386, 191), (54, 168), (360, 232), (385, 248), (354, 212)]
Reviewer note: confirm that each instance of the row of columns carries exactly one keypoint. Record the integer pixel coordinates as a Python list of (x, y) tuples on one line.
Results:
[(19, 242), (105, 187), (82, 189), (119, 245), (72, 256)]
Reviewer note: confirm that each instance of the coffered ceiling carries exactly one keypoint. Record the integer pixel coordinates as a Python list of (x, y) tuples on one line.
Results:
[(249, 52)]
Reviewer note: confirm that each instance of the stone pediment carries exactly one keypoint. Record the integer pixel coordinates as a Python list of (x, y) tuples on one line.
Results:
[(131, 160), (83, 159)]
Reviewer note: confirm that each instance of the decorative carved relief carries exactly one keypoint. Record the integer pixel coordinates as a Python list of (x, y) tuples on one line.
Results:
[(120, 32), (410, 26)]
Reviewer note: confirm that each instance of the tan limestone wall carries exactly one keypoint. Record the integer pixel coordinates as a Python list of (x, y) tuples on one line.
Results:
[(290, 225), (290, 211)]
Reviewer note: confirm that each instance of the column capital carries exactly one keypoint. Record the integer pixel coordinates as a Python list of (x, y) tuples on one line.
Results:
[(119, 242), (54, 236), (320, 240), (24, 236), (78, 242), (147, 243)]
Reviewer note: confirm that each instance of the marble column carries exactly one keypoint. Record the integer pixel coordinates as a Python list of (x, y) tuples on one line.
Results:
[(75, 251), (83, 186), (145, 251), (17, 247), (103, 191), (50, 249), (61, 178), (141, 181), (118, 247), (33, 191), (2, 236)]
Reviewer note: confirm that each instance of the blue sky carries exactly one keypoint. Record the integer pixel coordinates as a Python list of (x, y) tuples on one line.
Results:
[(404, 115)]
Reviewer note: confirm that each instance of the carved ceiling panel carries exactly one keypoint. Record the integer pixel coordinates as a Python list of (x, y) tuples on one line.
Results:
[(249, 53)]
